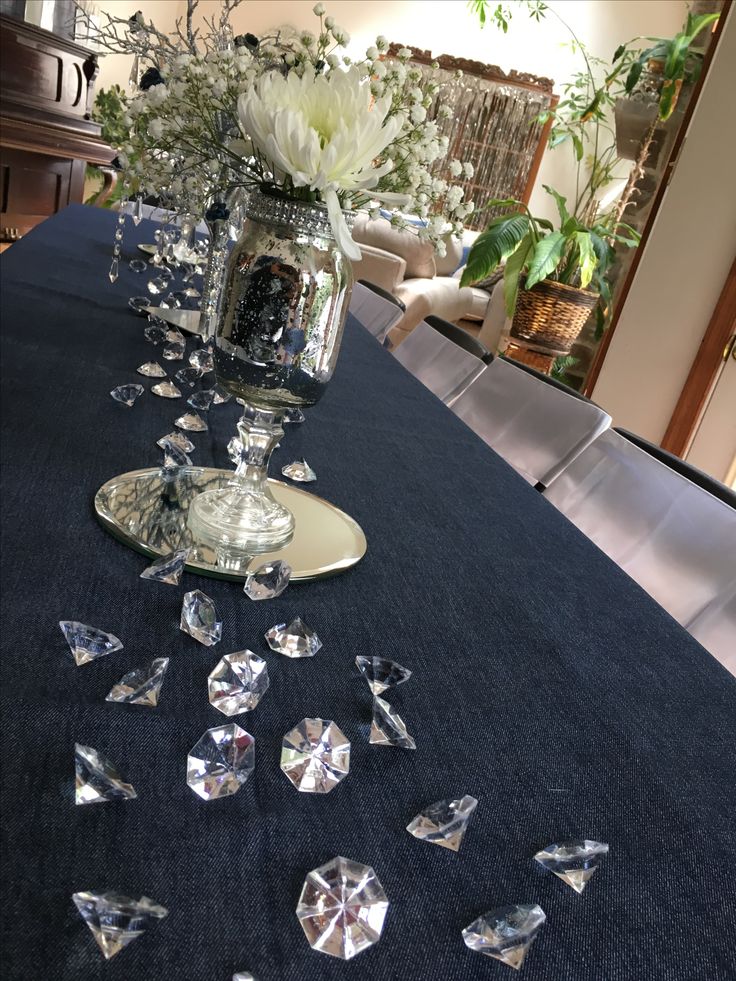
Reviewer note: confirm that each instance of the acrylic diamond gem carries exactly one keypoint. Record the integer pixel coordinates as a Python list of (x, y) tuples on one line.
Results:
[(115, 920), (155, 333), (168, 568), (191, 422), (202, 359), (201, 400), (505, 933), (238, 683), (244, 976), (294, 416), (151, 369), (97, 779), (174, 460), (174, 352), (342, 908), (268, 581), (300, 472), (575, 862), (158, 285), (137, 265), (127, 394), (176, 439), (294, 640), (220, 396), (170, 302), (444, 823), (188, 376), (138, 303), (166, 390), (199, 618), (315, 756), (88, 643), (380, 673), (220, 763), (141, 686), (387, 728)]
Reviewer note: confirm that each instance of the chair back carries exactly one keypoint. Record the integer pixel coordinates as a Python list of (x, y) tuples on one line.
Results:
[(460, 337), (377, 310), (445, 368), (535, 427), (674, 538)]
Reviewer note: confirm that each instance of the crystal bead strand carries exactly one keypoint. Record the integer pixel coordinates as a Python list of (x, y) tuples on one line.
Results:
[(216, 217)]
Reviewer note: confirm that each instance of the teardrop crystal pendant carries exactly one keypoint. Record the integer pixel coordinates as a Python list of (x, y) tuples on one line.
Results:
[(138, 210)]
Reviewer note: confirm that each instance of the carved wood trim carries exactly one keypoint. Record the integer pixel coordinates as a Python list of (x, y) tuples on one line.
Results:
[(491, 73), (53, 141)]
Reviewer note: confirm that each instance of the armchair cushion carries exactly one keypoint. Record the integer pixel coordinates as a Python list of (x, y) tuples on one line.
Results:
[(377, 266), (379, 233)]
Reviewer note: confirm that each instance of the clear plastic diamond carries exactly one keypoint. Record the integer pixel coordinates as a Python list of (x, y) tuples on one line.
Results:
[(342, 908), (294, 640), (315, 756), (165, 274), (387, 728), (300, 472), (88, 643), (238, 683), (155, 333), (138, 303), (174, 351), (141, 686), (151, 369), (176, 439), (244, 976), (168, 568), (294, 416), (381, 674), (201, 400), (127, 394), (202, 359), (221, 762), (166, 390), (220, 396), (575, 862), (505, 933), (174, 335), (199, 618), (192, 422), (174, 460), (158, 285), (170, 302), (268, 580), (97, 779), (444, 823), (137, 265), (188, 376), (115, 920)]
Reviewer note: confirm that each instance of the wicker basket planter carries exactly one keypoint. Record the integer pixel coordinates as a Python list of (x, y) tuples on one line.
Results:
[(550, 315)]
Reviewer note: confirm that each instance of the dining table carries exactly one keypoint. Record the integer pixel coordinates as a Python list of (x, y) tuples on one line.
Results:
[(545, 683)]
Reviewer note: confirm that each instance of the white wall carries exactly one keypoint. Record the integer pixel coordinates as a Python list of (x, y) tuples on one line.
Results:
[(447, 27), (684, 264)]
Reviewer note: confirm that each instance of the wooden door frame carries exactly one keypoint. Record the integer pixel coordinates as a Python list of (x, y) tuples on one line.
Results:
[(704, 371), (600, 355)]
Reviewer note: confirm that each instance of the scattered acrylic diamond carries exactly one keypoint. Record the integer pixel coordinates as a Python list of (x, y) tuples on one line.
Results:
[(158, 285), (138, 265), (177, 439), (188, 376), (315, 756), (380, 673), (342, 908), (127, 394), (165, 274), (115, 920), (141, 686), (244, 976), (174, 351), (202, 359), (221, 761), (199, 618), (97, 779), (235, 450), (155, 333), (294, 640), (238, 683), (220, 395), (192, 422), (574, 862), (175, 336), (88, 643), (201, 400), (444, 823), (505, 933), (166, 390), (268, 581), (174, 459), (168, 568), (300, 472), (138, 303), (151, 369), (169, 302), (294, 416), (387, 728)]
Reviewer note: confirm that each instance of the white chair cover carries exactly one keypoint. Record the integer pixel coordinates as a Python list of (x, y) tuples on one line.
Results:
[(443, 366), (535, 427), (674, 538), (377, 314)]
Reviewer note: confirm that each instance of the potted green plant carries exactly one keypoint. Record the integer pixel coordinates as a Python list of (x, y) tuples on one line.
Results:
[(553, 275)]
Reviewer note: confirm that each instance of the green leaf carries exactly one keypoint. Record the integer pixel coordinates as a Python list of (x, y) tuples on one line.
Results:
[(696, 24), (546, 258), (514, 266), (633, 77), (561, 203), (618, 52), (588, 260), (578, 144), (493, 246)]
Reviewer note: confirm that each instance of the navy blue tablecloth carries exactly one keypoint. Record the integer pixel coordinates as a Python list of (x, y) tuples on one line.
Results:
[(546, 684)]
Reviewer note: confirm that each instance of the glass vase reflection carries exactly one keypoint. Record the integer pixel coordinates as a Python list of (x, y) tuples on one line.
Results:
[(286, 296)]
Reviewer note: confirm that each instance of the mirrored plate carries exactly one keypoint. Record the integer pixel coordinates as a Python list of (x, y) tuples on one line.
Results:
[(187, 320), (150, 515)]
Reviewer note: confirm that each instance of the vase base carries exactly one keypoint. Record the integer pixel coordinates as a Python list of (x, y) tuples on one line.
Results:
[(235, 522)]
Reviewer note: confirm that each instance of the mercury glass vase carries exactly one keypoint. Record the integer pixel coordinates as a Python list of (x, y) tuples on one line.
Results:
[(284, 303)]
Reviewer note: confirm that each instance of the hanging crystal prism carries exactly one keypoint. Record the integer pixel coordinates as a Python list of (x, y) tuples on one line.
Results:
[(138, 210), (113, 274)]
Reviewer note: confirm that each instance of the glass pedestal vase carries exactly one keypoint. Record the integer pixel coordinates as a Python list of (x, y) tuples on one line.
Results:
[(284, 304)]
